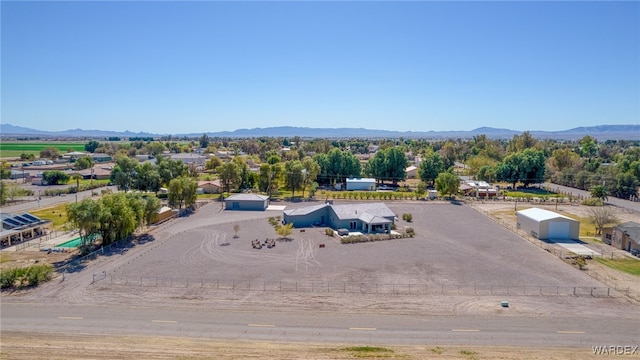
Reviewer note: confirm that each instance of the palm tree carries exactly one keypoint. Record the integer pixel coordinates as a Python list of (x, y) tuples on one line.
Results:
[(77, 177), (600, 192)]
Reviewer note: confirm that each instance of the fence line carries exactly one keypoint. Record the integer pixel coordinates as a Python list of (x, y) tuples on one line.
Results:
[(354, 287), (563, 255)]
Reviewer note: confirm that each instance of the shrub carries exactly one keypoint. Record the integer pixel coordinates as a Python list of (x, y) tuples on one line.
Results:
[(407, 217), (410, 231), (592, 202), (328, 232), (25, 277)]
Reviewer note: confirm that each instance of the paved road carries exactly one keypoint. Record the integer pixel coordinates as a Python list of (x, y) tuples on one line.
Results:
[(625, 204), (320, 327)]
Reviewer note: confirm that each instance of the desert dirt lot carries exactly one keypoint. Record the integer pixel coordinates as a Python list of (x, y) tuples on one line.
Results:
[(33, 346), (458, 254)]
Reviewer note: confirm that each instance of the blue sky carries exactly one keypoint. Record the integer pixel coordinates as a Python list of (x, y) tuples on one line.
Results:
[(175, 67)]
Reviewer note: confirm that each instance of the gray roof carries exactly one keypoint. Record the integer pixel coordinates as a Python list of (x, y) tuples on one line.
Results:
[(632, 229), (304, 210), (374, 219), (247, 197), (354, 211)]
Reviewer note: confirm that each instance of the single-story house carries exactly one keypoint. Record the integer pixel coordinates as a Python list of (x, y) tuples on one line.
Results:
[(20, 227), (100, 157), (625, 236), (246, 202), (545, 224), (412, 172), (364, 217), (189, 158), (210, 187), (361, 184)]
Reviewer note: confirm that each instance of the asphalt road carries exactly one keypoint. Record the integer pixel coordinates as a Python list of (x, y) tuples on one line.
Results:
[(621, 203), (46, 201), (320, 327)]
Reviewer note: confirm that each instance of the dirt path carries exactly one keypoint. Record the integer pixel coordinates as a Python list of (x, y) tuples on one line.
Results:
[(27, 346)]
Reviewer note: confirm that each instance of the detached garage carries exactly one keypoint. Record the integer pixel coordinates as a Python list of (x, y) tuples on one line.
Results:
[(545, 224), (246, 202)]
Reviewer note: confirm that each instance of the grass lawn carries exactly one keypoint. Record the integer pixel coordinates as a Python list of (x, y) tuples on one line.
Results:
[(15, 149), (57, 214), (630, 266)]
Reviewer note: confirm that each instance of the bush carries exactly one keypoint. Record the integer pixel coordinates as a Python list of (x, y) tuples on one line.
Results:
[(592, 202), (25, 277), (410, 231), (328, 232), (407, 217)]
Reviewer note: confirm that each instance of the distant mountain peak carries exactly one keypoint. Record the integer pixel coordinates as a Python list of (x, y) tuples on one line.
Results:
[(600, 132)]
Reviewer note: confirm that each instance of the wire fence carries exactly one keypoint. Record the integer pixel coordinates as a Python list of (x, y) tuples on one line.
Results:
[(566, 255), (354, 287)]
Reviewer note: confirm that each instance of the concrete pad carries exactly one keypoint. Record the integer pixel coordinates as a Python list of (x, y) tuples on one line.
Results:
[(276, 207), (575, 247)]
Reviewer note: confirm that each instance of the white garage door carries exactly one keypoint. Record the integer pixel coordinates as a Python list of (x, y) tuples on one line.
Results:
[(559, 230)]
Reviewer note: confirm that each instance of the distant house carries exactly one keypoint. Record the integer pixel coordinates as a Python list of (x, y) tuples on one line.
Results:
[(364, 217), (361, 184), (246, 202), (545, 224), (98, 157), (189, 158), (412, 172), (210, 187), (625, 236)]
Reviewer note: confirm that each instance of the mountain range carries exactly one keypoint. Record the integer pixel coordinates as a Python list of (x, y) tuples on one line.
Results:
[(601, 132)]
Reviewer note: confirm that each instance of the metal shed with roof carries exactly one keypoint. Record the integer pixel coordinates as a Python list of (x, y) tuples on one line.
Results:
[(255, 202), (544, 224)]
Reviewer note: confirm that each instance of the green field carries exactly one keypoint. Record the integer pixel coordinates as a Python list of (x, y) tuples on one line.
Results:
[(16, 148)]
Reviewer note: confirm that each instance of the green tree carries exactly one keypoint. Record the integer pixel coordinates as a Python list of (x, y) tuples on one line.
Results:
[(170, 169), (431, 166), (85, 217), (527, 167), (212, 163), (91, 146), (3, 193), (311, 172), (117, 219), (626, 186), (447, 183), (151, 207), (85, 162), (229, 176), (588, 146), (204, 141), (421, 189), (182, 191), (50, 153), (599, 192), (123, 173), (5, 170), (55, 177), (147, 178), (293, 175)]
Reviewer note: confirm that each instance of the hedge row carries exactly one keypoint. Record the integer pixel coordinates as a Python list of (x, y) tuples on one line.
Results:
[(18, 278), (352, 239)]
